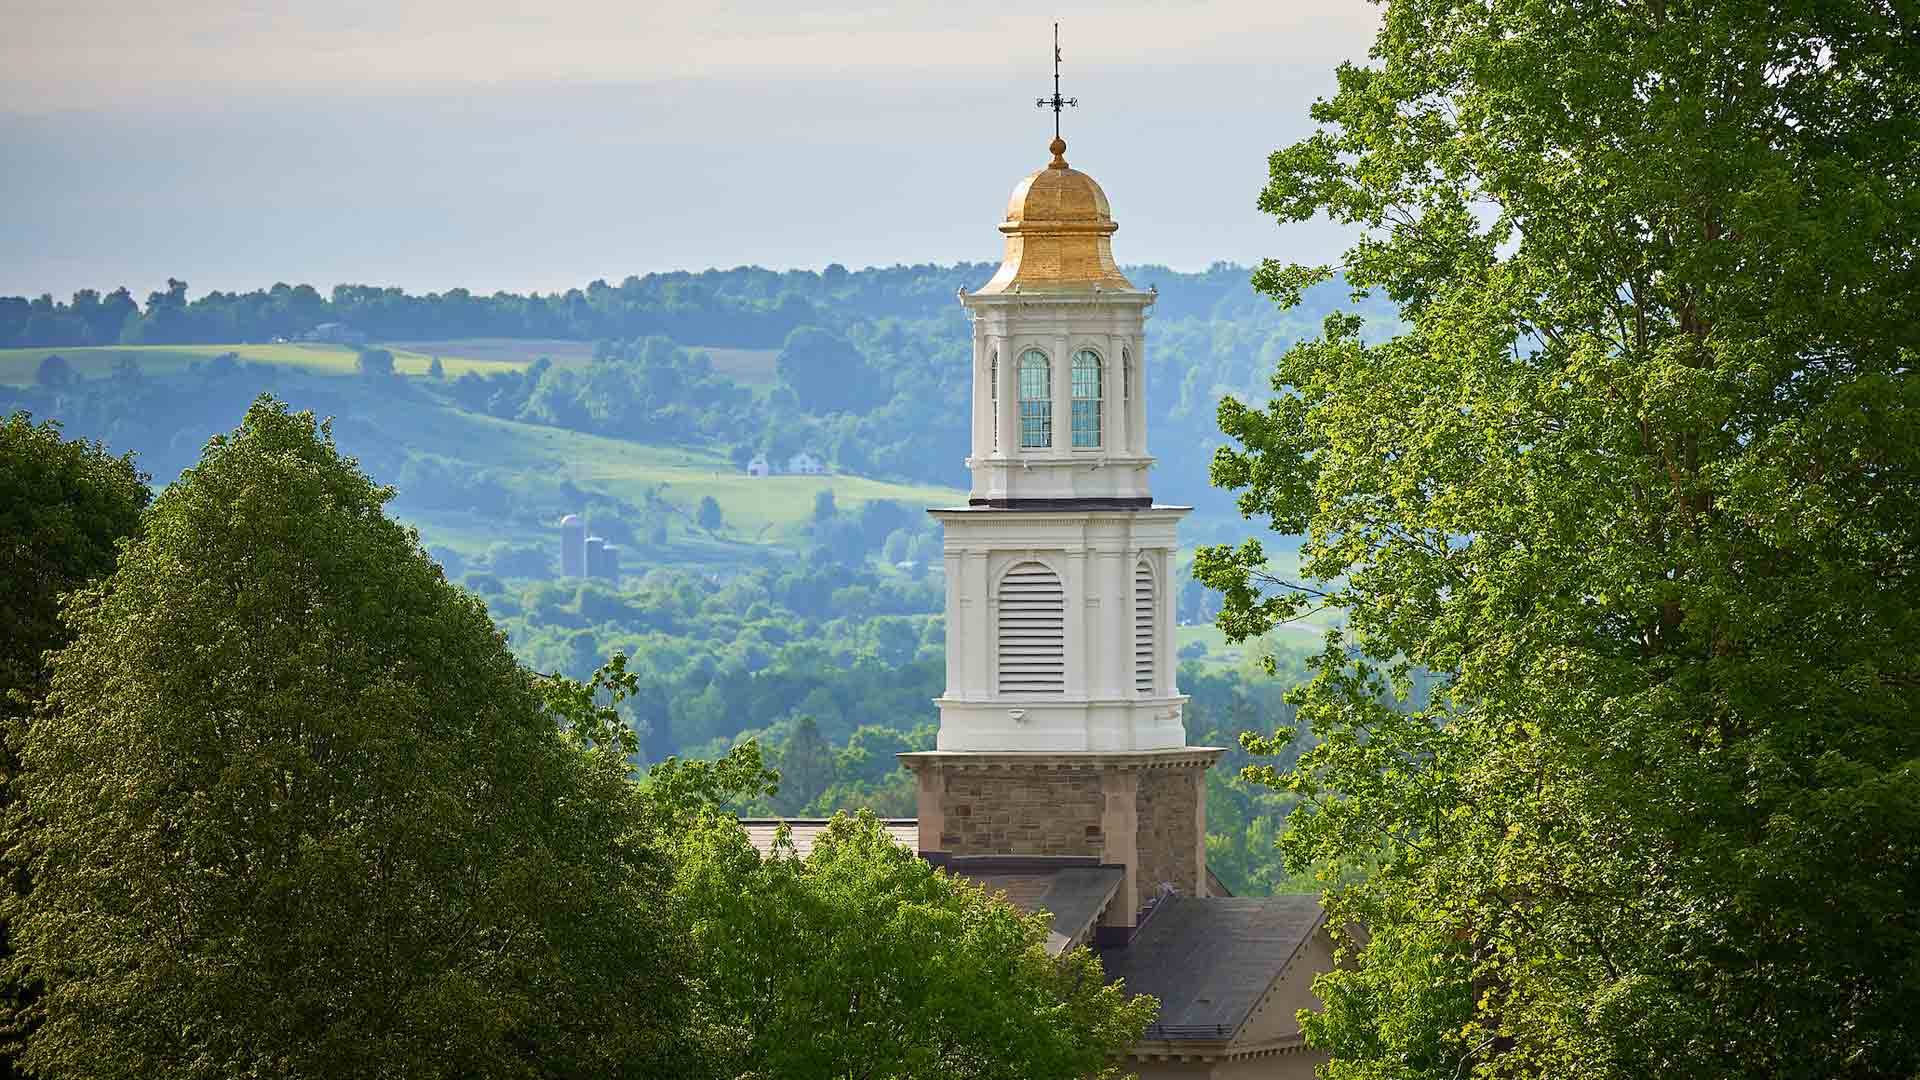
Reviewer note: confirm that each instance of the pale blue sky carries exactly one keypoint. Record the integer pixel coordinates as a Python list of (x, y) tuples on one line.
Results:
[(438, 143)]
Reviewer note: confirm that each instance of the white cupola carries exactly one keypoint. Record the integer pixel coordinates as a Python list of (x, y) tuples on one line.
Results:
[(1058, 342)]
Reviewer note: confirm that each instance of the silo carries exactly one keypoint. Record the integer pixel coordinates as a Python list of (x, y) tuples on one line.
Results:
[(596, 558), (610, 561), (573, 546)]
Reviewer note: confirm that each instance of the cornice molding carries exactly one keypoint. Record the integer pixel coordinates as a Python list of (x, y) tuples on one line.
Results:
[(1186, 757)]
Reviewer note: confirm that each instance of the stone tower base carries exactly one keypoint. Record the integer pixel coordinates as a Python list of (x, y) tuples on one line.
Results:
[(1145, 810)]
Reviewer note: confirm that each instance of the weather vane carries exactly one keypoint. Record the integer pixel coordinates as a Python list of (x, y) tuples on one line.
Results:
[(1056, 102)]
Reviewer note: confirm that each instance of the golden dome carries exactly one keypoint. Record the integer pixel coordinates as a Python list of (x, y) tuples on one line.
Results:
[(1059, 232)]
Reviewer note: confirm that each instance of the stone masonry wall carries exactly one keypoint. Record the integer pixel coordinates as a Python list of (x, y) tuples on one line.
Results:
[(1168, 801), (1014, 811)]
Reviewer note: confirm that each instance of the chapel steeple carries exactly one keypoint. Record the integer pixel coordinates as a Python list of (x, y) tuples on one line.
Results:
[(1061, 728)]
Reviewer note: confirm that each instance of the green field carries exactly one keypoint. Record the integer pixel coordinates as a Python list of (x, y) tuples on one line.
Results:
[(524, 457), (760, 510), (748, 367), (17, 366), (514, 352)]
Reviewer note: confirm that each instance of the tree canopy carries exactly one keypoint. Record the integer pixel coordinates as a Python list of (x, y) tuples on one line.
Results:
[(827, 373), (64, 506), (862, 960), (1621, 744), (301, 813)]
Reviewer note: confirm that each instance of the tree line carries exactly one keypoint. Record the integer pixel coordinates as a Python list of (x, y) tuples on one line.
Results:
[(745, 307)]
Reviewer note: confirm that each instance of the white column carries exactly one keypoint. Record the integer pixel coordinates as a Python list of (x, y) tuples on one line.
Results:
[(1164, 679), (982, 395), (1139, 419), (1009, 397), (956, 619), (1062, 395), (1110, 423), (1117, 585), (978, 624)]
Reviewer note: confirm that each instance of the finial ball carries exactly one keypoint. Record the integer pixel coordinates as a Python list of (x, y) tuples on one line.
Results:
[(1059, 148)]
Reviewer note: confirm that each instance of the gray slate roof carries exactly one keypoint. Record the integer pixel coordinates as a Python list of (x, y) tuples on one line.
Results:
[(1211, 959), (1073, 890)]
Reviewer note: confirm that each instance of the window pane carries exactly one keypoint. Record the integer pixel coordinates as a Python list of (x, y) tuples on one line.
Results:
[(1086, 399), (1036, 400)]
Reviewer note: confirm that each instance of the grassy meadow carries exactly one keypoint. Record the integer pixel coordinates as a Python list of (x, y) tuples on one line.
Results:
[(748, 367), (521, 456), (764, 510), (17, 366)]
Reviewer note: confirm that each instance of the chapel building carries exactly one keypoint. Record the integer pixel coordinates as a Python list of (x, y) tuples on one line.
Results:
[(1062, 774)]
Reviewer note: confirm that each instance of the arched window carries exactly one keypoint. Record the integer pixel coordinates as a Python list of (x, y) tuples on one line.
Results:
[(1126, 377), (1086, 399), (1144, 618), (1036, 399), (993, 391), (1032, 624)]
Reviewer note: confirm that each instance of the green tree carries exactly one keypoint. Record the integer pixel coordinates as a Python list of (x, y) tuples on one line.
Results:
[(302, 814), (861, 960), (1633, 489), (806, 766), (64, 505), (436, 370), (1634, 492), (708, 515), (827, 373), (54, 372), (895, 548), (375, 363)]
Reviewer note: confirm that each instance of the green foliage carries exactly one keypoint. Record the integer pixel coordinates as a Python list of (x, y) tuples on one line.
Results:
[(374, 364), (586, 723), (708, 517), (64, 506), (861, 960), (827, 373), (678, 793), (806, 766), (302, 814), (54, 373), (1636, 487)]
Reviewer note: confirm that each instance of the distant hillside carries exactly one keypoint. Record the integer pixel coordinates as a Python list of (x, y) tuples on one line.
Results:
[(671, 379)]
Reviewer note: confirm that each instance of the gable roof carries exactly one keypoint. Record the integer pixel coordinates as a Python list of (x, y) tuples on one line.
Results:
[(1210, 960)]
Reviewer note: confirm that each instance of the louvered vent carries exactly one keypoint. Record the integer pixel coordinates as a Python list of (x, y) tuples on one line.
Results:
[(1033, 640), (1143, 628)]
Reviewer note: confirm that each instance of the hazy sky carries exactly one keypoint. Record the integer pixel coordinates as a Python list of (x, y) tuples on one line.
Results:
[(434, 143)]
